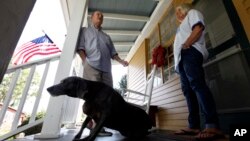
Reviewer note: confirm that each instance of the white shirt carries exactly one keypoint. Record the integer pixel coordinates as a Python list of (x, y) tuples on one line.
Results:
[(192, 18)]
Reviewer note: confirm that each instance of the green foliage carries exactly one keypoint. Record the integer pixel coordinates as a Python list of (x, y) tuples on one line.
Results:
[(36, 129), (122, 84), (5, 86), (20, 84), (39, 115)]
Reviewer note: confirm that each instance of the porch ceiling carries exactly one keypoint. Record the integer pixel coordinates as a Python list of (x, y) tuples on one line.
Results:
[(124, 20)]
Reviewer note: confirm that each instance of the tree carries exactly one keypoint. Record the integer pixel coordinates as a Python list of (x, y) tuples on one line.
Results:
[(122, 84), (5, 86), (20, 84)]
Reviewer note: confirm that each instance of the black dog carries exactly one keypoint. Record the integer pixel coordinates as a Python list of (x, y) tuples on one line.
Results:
[(105, 106)]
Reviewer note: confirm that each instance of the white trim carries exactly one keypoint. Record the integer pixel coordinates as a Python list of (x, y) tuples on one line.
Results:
[(123, 32), (123, 43), (37, 62), (9, 95), (20, 129), (223, 56), (65, 10), (52, 122), (39, 93), (124, 17), (23, 98)]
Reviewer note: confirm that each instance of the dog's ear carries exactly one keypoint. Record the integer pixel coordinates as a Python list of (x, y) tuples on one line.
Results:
[(82, 88)]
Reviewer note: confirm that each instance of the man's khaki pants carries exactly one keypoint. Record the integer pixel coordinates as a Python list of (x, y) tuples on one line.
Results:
[(90, 73)]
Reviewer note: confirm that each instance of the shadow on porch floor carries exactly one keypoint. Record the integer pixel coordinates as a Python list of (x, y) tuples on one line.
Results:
[(157, 135)]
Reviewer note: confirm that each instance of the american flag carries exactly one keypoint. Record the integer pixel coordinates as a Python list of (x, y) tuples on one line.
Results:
[(41, 46)]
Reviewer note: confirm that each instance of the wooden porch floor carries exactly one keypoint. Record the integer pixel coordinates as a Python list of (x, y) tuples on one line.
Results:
[(157, 135)]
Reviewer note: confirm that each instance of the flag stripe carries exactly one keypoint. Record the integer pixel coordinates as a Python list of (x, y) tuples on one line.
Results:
[(39, 46), (25, 45), (32, 45), (21, 49), (37, 50), (41, 53), (24, 54), (21, 54)]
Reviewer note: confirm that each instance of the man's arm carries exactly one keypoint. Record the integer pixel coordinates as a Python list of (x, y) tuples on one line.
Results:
[(118, 59), (194, 36), (82, 54)]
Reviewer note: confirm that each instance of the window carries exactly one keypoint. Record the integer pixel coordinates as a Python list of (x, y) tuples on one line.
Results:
[(164, 33), (218, 27), (169, 70), (154, 41), (168, 26)]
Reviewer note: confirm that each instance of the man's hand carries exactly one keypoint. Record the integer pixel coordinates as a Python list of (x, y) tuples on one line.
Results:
[(118, 59), (185, 46), (82, 55), (124, 63)]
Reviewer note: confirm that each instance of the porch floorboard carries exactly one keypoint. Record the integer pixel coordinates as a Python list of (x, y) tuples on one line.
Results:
[(157, 135)]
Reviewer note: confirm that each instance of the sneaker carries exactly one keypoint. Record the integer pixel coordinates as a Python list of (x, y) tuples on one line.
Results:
[(104, 133)]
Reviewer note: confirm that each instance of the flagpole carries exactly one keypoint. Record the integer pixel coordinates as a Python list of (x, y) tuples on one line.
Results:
[(47, 36)]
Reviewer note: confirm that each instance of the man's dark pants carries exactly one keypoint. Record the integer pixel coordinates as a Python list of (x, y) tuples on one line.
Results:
[(195, 89)]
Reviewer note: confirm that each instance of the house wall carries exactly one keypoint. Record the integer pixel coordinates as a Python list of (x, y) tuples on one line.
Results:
[(172, 108), (137, 69)]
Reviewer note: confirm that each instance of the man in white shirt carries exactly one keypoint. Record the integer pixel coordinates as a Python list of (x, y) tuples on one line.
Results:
[(189, 54)]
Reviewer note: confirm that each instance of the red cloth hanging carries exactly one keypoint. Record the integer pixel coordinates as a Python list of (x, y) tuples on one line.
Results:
[(158, 56)]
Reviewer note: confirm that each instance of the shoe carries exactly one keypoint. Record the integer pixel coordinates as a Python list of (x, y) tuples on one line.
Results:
[(104, 133)]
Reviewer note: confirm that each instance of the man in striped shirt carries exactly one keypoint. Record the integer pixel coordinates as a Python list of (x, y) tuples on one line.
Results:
[(96, 50)]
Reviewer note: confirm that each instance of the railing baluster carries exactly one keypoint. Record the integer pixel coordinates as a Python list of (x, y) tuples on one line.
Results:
[(23, 99), (16, 70), (9, 95), (38, 97)]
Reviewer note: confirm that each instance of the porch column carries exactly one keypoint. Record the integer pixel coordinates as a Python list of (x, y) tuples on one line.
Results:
[(52, 122)]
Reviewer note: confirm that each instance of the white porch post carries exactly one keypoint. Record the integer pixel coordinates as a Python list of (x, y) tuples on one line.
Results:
[(52, 123)]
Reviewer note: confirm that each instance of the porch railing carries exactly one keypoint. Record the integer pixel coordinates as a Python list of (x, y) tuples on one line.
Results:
[(16, 71)]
